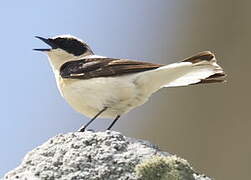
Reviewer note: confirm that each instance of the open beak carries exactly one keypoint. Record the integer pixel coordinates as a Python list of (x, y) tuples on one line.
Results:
[(47, 41)]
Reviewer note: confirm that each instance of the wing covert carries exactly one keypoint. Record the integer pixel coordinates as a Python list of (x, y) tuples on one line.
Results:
[(103, 67)]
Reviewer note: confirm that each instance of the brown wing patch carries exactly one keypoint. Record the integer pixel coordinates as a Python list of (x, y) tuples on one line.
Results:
[(103, 67)]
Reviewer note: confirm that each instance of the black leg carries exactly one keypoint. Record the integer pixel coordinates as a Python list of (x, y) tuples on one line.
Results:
[(82, 129), (113, 122)]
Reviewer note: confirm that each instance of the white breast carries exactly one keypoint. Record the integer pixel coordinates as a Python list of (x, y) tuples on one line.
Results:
[(119, 94)]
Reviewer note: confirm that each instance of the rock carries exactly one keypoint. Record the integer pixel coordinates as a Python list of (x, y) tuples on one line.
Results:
[(101, 156)]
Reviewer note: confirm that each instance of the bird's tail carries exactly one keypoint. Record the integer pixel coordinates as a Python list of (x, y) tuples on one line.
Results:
[(198, 69)]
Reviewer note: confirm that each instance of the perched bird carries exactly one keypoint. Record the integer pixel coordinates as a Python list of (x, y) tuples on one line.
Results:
[(110, 87)]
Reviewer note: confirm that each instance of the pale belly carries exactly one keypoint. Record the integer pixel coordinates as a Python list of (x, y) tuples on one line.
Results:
[(91, 96)]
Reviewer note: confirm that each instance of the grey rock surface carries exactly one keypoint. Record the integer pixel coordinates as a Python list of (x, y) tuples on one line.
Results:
[(88, 156)]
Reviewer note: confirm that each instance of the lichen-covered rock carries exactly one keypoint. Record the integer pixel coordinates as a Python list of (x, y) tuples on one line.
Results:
[(97, 156), (166, 168)]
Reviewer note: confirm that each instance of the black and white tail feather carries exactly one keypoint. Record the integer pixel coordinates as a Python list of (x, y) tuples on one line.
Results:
[(197, 69), (205, 68)]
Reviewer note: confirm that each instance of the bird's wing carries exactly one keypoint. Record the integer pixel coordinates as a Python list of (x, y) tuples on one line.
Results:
[(103, 67)]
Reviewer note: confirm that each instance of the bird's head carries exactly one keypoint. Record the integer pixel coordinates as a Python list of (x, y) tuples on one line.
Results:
[(64, 48)]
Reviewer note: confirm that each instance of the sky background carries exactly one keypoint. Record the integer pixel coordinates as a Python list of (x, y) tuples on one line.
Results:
[(208, 125)]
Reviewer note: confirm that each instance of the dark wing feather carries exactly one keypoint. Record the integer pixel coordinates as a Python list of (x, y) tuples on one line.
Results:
[(103, 67)]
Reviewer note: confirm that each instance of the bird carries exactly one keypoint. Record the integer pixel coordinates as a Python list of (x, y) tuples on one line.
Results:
[(99, 86)]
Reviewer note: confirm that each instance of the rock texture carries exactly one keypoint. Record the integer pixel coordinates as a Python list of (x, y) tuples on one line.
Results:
[(101, 156)]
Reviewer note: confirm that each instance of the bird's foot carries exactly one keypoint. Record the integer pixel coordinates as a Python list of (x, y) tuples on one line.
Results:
[(83, 129)]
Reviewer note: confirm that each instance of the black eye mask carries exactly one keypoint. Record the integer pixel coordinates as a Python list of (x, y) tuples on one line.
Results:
[(70, 45)]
